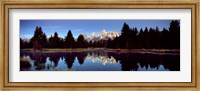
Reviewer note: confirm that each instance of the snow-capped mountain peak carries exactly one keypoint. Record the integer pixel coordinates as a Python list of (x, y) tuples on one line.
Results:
[(102, 35)]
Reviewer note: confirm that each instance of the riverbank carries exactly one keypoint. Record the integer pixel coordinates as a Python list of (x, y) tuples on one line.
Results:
[(58, 49), (154, 51)]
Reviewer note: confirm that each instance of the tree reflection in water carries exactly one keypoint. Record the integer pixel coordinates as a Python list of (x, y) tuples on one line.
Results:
[(46, 61), (69, 59), (81, 57)]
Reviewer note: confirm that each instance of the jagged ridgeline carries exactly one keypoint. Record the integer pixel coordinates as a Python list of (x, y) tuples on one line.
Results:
[(130, 38)]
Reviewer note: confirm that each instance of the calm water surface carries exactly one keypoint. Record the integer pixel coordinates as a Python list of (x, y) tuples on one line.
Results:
[(98, 60)]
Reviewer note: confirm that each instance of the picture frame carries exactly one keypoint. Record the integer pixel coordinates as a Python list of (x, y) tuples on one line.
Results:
[(110, 4)]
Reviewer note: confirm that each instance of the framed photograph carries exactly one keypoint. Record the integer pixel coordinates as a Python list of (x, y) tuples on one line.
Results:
[(100, 45)]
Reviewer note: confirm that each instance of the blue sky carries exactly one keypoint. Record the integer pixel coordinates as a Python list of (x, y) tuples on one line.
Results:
[(27, 27)]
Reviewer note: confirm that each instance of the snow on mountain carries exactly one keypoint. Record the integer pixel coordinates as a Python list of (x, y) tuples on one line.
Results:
[(102, 35)]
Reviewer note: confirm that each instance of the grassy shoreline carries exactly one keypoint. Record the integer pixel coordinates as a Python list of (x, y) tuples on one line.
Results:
[(108, 50)]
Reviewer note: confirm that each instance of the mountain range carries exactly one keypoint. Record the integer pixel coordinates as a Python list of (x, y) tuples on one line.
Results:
[(105, 35)]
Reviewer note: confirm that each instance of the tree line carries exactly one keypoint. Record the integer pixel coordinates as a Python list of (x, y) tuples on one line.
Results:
[(130, 38)]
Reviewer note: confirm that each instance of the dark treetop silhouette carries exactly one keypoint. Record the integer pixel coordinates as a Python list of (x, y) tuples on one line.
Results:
[(130, 38)]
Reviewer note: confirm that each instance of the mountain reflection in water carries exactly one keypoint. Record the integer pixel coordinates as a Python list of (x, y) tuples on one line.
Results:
[(97, 61)]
